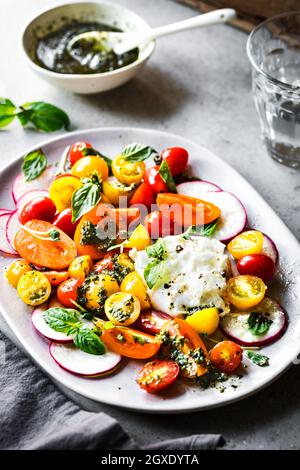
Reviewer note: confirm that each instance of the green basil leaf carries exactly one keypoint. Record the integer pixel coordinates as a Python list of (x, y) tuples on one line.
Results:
[(7, 112), (84, 199), (166, 175), (258, 359), (88, 341), (152, 272), (203, 231), (64, 320), (157, 250), (258, 324), (137, 152), (44, 116), (34, 163)]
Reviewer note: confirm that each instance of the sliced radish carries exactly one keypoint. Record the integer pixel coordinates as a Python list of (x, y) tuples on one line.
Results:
[(196, 188), (269, 249), (45, 330), (5, 246), (234, 269), (20, 186), (235, 325), (5, 211), (12, 226), (78, 362), (28, 197)]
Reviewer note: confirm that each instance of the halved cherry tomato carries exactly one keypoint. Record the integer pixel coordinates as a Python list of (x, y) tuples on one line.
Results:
[(161, 224), (106, 263), (96, 289), (81, 267), (56, 277), (47, 253), (62, 189), (157, 375), (63, 220), (130, 343), (113, 189), (76, 151), (155, 181), (190, 347), (188, 210), (42, 208), (151, 321), (226, 356), (34, 288), (133, 284), (67, 291), (245, 291), (128, 172), (246, 243), (143, 195), (86, 166), (176, 158), (122, 309), (257, 265), (16, 270)]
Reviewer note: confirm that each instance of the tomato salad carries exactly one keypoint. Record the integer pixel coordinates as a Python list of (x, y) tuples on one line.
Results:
[(130, 257)]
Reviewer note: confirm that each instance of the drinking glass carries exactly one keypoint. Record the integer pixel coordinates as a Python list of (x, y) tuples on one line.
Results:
[(273, 48)]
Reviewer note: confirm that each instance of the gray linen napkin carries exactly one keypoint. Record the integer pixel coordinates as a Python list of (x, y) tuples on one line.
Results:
[(34, 414)]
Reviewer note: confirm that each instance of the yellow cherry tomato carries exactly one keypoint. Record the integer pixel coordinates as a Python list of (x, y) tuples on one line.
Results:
[(128, 172), (125, 261), (16, 271), (62, 189), (96, 289), (204, 321), (246, 243), (245, 291), (122, 309), (139, 238), (81, 267), (86, 166), (133, 284), (34, 288), (113, 189)]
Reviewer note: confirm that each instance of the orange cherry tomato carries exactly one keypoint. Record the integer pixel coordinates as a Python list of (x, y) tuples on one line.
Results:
[(158, 375), (188, 210), (226, 356), (51, 254), (130, 343), (246, 243), (86, 166), (56, 277), (245, 291), (67, 291)]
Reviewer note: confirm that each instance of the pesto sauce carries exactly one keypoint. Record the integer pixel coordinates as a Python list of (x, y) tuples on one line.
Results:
[(52, 54)]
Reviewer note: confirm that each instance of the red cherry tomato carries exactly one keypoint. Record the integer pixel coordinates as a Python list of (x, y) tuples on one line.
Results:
[(151, 321), (41, 208), (257, 265), (176, 158), (76, 151), (155, 181), (226, 356), (161, 224), (157, 375), (67, 291), (143, 195), (63, 220), (105, 263)]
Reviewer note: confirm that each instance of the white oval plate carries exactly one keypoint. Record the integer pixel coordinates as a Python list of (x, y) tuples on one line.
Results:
[(120, 388)]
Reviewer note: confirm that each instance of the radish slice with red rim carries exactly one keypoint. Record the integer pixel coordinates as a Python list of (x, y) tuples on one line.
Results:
[(20, 186), (196, 188), (12, 226), (235, 325), (28, 197), (45, 330), (5, 246), (6, 211), (269, 249), (78, 362)]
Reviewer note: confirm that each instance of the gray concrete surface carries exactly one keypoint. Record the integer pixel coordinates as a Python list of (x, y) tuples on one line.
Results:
[(198, 85)]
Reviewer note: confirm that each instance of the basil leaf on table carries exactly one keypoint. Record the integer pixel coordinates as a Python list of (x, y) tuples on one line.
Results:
[(166, 175), (34, 163), (63, 320), (44, 116), (258, 359), (7, 112), (137, 152), (258, 324), (89, 342), (85, 198)]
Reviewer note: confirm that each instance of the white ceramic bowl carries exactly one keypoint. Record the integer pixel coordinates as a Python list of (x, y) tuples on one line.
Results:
[(104, 12)]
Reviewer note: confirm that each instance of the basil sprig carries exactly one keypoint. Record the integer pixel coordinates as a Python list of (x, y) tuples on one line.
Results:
[(68, 321), (258, 359), (137, 152), (154, 272), (204, 230), (34, 163), (166, 175), (43, 116), (86, 197), (93, 152), (258, 324)]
